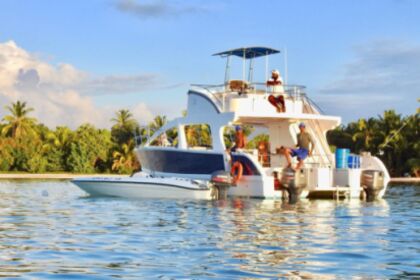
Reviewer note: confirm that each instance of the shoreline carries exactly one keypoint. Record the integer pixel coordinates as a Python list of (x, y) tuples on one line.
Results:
[(405, 180), (69, 176), (52, 176)]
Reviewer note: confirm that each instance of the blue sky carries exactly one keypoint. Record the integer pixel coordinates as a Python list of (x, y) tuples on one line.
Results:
[(357, 58)]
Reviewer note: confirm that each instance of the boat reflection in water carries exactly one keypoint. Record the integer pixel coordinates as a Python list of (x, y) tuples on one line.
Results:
[(309, 239)]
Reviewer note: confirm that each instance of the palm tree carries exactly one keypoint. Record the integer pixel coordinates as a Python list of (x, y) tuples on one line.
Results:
[(124, 128), (124, 120), (18, 122), (124, 160), (60, 138), (157, 123), (365, 134), (390, 128)]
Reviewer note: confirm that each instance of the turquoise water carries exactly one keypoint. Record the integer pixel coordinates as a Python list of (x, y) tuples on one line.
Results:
[(51, 230)]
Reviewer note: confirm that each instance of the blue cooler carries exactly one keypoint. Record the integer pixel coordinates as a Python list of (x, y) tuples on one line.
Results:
[(341, 158), (353, 161)]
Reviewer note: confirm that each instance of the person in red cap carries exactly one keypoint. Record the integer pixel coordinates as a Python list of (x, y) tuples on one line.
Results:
[(304, 140), (276, 83)]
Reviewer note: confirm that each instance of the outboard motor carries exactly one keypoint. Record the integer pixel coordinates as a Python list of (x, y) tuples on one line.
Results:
[(372, 183), (221, 181), (294, 182)]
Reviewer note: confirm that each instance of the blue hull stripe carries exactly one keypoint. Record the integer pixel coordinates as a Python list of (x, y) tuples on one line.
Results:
[(181, 162)]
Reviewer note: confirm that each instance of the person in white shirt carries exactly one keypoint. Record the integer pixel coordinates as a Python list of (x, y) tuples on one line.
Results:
[(277, 98)]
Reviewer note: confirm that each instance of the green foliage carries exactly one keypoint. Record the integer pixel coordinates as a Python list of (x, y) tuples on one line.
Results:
[(391, 137), (89, 146), (198, 135), (18, 124), (229, 134), (124, 128), (253, 144), (28, 146), (157, 123), (6, 154), (124, 159)]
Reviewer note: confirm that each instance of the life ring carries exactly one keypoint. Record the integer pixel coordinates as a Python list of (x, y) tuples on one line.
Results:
[(236, 171)]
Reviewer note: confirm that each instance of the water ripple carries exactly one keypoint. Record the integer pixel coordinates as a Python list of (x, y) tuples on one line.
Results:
[(51, 230)]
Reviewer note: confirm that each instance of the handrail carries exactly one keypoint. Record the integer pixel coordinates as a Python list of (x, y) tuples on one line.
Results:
[(219, 92), (212, 95), (251, 88), (312, 103)]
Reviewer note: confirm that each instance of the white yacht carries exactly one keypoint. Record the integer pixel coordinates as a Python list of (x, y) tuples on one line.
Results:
[(175, 150)]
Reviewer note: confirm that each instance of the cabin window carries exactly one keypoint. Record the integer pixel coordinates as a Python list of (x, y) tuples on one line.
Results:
[(169, 138), (198, 136), (229, 136)]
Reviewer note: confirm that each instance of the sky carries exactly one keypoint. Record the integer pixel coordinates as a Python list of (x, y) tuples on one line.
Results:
[(80, 61)]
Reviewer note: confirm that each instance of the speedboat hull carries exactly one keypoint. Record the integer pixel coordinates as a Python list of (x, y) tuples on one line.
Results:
[(144, 187)]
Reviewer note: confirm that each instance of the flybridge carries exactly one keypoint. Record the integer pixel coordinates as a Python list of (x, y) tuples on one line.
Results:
[(247, 53)]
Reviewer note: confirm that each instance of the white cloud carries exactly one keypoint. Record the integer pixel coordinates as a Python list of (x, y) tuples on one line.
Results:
[(383, 75), (61, 95), (154, 9), (119, 84), (142, 113)]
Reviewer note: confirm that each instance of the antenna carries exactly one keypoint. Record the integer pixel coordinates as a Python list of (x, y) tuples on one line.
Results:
[(243, 65), (227, 70), (266, 69), (286, 74), (251, 70)]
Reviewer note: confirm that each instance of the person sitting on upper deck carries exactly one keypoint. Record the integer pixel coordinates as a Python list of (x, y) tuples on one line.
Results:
[(302, 151), (239, 139), (276, 84)]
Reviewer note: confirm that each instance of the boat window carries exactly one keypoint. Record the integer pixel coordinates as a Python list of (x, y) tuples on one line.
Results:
[(169, 138), (198, 136), (229, 136)]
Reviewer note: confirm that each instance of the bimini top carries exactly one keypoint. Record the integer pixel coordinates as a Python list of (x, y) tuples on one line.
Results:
[(249, 52)]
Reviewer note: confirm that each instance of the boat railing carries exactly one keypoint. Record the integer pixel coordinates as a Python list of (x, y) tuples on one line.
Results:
[(213, 91), (242, 87), (142, 136), (238, 88)]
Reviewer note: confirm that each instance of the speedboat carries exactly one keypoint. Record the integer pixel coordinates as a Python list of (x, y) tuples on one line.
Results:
[(195, 146), (143, 185)]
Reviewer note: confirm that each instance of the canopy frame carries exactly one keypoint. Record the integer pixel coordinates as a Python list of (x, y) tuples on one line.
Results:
[(246, 53)]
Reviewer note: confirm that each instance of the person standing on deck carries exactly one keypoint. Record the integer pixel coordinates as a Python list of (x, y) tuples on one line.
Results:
[(239, 139), (277, 98), (304, 140)]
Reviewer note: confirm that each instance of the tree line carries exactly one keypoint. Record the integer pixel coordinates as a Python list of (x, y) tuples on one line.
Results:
[(29, 146), (391, 137)]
